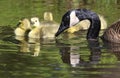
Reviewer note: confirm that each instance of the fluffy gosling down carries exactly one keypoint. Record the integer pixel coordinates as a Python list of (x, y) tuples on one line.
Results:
[(49, 26), (36, 28), (45, 29), (23, 26)]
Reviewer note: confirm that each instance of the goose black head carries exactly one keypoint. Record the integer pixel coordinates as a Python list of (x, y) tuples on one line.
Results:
[(69, 19), (73, 17)]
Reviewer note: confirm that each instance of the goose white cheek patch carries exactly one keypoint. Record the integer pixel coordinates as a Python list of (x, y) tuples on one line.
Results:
[(73, 19)]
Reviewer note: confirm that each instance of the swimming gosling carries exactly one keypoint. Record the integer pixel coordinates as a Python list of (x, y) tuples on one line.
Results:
[(35, 24), (23, 26), (49, 26)]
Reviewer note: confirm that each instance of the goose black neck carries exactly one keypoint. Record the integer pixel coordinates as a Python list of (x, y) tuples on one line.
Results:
[(95, 24), (94, 29)]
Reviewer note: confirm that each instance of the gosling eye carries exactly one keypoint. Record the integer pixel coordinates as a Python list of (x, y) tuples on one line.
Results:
[(35, 20), (18, 24)]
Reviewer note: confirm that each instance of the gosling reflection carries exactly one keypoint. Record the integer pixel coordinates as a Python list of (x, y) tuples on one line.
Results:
[(34, 46), (30, 46), (23, 44), (72, 54)]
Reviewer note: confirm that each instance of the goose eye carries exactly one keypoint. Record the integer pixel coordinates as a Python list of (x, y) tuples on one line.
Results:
[(66, 19)]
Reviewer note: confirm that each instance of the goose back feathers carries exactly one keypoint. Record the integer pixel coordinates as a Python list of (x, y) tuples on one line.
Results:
[(112, 33)]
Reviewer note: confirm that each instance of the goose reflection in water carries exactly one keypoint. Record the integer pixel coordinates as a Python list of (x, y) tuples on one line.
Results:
[(113, 48), (70, 54)]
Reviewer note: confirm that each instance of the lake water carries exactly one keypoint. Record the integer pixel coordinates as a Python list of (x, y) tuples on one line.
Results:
[(70, 56)]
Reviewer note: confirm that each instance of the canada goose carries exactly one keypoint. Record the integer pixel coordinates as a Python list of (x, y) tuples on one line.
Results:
[(112, 33), (35, 32), (70, 54), (49, 26), (84, 25), (23, 26), (73, 17)]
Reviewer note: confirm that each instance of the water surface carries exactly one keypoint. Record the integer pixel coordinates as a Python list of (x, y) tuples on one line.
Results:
[(70, 56)]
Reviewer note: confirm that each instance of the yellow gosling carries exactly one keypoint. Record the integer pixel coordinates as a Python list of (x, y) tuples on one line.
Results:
[(49, 26), (23, 26), (48, 31), (35, 32)]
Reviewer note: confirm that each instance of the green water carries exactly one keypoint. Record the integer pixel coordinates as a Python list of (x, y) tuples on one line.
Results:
[(13, 10), (62, 58)]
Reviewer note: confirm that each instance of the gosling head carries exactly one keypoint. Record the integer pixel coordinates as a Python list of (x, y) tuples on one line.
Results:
[(35, 21), (24, 24), (23, 28), (48, 16)]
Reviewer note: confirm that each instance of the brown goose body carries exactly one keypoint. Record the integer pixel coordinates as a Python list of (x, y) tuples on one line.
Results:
[(112, 33)]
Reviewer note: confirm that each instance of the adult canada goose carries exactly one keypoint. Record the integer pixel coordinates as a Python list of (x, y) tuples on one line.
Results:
[(49, 24), (112, 33), (73, 17), (85, 24), (35, 32), (23, 26), (70, 54)]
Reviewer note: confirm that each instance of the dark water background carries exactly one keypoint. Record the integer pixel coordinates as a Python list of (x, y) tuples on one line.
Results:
[(63, 58)]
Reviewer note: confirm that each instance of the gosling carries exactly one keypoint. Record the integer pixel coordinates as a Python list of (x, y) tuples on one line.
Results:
[(49, 26), (23, 27), (36, 28)]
